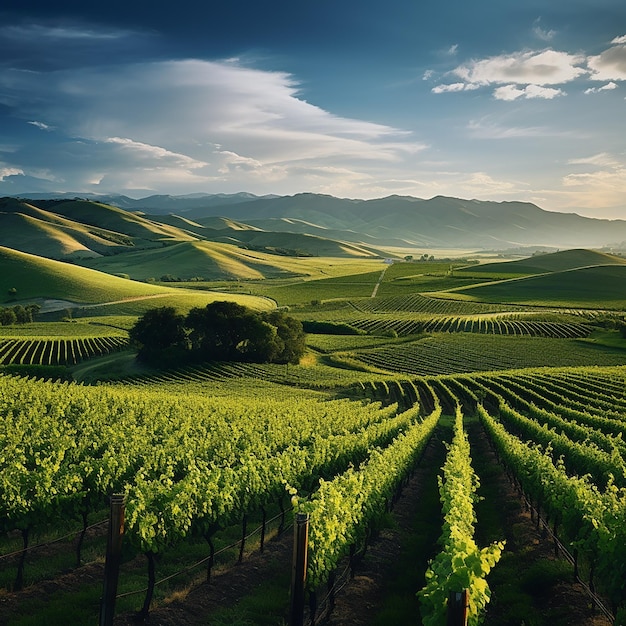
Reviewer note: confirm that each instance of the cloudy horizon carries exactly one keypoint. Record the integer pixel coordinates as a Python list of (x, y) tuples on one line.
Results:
[(506, 103)]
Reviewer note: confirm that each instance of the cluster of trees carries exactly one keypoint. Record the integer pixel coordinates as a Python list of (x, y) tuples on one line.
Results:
[(18, 314), (221, 331)]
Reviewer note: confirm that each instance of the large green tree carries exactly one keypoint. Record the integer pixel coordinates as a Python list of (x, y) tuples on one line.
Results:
[(160, 336), (224, 331)]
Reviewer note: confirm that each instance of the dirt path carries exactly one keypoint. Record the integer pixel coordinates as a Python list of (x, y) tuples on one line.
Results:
[(529, 584), (226, 588), (380, 280), (389, 575)]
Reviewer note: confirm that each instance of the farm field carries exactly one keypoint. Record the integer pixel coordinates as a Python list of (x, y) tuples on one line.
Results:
[(507, 399)]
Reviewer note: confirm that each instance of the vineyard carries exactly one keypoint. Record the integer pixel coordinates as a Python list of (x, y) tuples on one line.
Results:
[(54, 351), (501, 428), (475, 324), (191, 466)]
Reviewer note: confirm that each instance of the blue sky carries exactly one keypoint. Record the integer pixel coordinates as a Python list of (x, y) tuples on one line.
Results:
[(491, 99)]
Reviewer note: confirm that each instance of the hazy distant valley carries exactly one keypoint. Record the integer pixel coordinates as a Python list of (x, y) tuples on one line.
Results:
[(246, 236)]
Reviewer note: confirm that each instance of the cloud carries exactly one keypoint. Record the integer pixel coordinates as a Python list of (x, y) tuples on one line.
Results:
[(542, 33), (483, 184), (146, 151), (611, 64), (41, 125), (9, 171), (511, 92), (484, 129), (608, 87), (454, 87), (452, 50), (602, 159), (602, 185), (37, 32), (548, 67), (142, 123)]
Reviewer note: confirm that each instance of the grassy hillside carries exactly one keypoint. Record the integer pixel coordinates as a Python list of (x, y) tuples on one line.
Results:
[(118, 220), (598, 287), (52, 240), (208, 260), (38, 279), (540, 264)]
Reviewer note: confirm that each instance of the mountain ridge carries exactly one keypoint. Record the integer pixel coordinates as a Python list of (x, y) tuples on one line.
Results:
[(438, 222)]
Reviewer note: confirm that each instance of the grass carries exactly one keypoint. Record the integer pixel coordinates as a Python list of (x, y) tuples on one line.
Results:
[(187, 260), (56, 330), (108, 367), (37, 279), (599, 287), (542, 263), (419, 543)]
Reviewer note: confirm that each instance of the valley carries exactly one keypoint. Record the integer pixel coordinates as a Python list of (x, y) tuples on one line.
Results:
[(494, 365)]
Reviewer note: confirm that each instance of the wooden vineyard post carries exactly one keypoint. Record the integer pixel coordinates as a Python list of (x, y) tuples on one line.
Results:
[(113, 558), (457, 608), (298, 572)]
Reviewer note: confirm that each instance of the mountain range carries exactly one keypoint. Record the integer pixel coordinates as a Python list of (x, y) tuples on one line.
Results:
[(439, 222)]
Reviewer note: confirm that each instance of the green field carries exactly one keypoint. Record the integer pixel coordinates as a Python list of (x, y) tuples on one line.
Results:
[(598, 287)]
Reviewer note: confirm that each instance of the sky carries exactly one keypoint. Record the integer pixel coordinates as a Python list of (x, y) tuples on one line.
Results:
[(489, 100)]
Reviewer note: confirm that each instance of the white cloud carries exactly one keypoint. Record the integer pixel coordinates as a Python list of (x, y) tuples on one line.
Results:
[(511, 92), (548, 67), (41, 125), (155, 152), (481, 183), (146, 120), (452, 50), (602, 159), (600, 186), (608, 87), (428, 74), (454, 87), (611, 64), (9, 171), (484, 129), (621, 39)]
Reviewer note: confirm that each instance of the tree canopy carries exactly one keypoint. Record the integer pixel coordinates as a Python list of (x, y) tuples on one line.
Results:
[(221, 331)]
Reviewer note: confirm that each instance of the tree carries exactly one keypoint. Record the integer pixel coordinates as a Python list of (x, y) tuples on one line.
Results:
[(7, 317), (32, 310), (291, 334), (160, 336), (217, 329), (21, 314), (221, 331)]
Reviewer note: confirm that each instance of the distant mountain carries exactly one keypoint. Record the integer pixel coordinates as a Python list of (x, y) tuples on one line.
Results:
[(404, 220), (157, 203), (439, 222)]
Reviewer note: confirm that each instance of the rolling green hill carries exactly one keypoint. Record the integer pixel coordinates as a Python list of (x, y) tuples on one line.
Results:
[(542, 263), (199, 259), (597, 287), (143, 247), (40, 280), (118, 220)]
